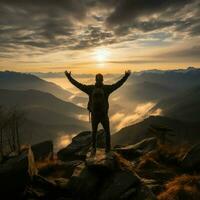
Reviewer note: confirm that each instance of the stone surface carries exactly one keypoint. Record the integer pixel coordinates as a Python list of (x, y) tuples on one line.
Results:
[(80, 146), (42, 150), (117, 185), (16, 171), (14, 175), (138, 149), (60, 169), (101, 160), (84, 183), (107, 177), (62, 182), (191, 159)]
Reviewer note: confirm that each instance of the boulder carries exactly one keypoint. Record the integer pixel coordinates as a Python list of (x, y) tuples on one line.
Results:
[(153, 185), (101, 161), (14, 175), (161, 176), (62, 183), (120, 185), (191, 159), (59, 169), (83, 183), (138, 149), (80, 146), (32, 193), (41, 188), (107, 177), (43, 182), (43, 150), (1, 158), (16, 171)]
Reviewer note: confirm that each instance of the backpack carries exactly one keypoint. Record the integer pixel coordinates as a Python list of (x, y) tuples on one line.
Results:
[(97, 104)]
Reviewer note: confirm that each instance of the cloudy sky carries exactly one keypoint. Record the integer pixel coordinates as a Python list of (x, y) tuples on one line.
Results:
[(102, 35)]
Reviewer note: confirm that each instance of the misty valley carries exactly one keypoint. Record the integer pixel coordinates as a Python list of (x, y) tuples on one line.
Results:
[(154, 119), (51, 111)]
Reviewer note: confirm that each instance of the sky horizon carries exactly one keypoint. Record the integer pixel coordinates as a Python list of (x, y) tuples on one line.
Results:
[(105, 72), (99, 35)]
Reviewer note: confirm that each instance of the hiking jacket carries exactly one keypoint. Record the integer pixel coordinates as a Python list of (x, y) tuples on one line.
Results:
[(88, 89)]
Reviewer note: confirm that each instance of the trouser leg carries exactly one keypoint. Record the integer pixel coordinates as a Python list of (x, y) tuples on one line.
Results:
[(106, 125), (94, 133)]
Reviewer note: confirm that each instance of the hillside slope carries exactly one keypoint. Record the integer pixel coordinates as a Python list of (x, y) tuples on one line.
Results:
[(184, 106), (136, 132), (46, 116), (22, 81)]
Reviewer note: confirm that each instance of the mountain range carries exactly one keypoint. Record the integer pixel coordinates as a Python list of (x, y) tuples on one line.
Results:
[(24, 81), (176, 93), (184, 106), (45, 114), (156, 85), (46, 105), (181, 130)]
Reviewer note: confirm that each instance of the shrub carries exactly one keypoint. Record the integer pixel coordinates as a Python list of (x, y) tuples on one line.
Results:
[(184, 187)]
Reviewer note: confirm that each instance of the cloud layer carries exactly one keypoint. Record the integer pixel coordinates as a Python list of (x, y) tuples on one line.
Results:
[(33, 28)]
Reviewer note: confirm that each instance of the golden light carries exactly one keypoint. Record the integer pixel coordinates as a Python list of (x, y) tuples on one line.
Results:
[(63, 140), (101, 55)]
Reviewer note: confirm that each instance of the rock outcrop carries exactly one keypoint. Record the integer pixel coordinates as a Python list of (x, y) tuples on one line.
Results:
[(43, 150), (15, 172), (80, 146), (191, 159), (142, 171), (138, 149), (14, 175), (102, 177)]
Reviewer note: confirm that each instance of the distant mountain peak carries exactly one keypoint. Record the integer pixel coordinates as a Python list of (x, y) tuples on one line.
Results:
[(25, 81)]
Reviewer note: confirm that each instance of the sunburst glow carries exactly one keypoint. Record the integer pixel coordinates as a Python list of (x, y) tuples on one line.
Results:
[(101, 55)]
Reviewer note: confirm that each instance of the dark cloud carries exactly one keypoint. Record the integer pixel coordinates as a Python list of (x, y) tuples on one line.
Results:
[(92, 37), (195, 30), (39, 23), (151, 15), (145, 26), (101, 3), (130, 10)]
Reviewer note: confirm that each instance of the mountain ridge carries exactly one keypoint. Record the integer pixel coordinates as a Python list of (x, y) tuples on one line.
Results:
[(24, 81), (139, 131)]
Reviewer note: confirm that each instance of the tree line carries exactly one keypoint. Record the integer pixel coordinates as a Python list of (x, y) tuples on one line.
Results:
[(11, 121)]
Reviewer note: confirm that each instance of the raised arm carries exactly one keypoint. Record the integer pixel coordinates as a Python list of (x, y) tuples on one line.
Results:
[(119, 83), (80, 86)]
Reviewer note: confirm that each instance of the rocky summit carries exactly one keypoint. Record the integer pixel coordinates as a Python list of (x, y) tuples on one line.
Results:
[(146, 170)]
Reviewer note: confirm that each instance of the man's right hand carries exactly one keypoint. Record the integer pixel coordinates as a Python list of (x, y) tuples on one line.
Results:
[(67, 74)]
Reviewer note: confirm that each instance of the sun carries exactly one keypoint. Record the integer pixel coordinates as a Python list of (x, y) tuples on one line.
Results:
[(101, 55)]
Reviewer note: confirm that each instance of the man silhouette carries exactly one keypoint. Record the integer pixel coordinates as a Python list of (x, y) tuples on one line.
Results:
[(98, 104)]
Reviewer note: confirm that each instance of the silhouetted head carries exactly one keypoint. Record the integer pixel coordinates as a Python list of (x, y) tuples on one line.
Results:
[(99, 78)]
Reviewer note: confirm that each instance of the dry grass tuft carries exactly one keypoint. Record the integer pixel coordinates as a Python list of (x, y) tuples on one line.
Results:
[(149, 161), (48, 162), (172, 151), (184, 187), (123, 163), (50, 167)]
